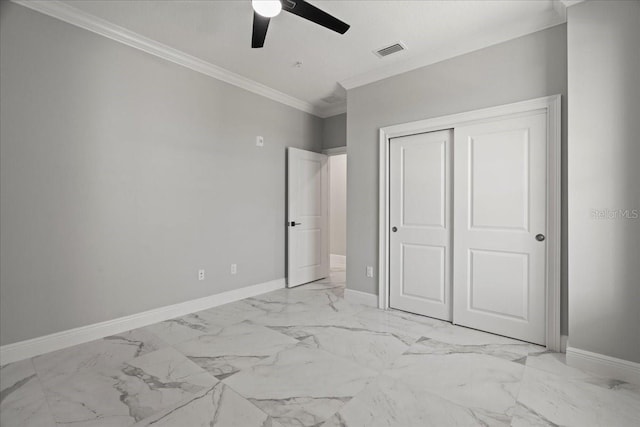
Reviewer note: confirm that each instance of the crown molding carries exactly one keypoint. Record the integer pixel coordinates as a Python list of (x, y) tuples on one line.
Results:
[(560, 6), (568, 3), (333, 110), (73, 16), (410, 64)]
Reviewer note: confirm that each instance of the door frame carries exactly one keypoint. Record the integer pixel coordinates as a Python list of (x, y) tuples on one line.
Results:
[(330, 152), (551, 106)]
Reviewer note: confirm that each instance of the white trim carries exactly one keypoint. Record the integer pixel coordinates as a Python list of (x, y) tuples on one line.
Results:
[(363, 298), (563, 343), (552, 106), (334, 110), (561, 8), (569, 3), (73, 16), (419, 61), (335, 151), (554, 221), (337, 261), (383, 221), (29, 348), (447, 122), (605, 366)]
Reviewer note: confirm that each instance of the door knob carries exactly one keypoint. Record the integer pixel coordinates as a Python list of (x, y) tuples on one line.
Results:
[(540, 237), (394, 229), (293, 223)]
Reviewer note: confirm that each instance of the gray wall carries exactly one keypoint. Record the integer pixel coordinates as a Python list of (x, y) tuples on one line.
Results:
[(334, 132), (338, 204), (604, 173), (524, 68), (122, 174)]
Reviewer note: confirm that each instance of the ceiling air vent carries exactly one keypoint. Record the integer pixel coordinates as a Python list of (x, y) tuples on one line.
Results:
[(391, 49)]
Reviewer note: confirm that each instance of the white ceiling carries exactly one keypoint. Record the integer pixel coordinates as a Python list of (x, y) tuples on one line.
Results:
[(219, 32)]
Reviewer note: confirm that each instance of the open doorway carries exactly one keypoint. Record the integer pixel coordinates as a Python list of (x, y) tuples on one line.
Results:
[(338, 214)]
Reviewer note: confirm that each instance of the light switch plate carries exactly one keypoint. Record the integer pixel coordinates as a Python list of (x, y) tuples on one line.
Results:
[(369, 271)]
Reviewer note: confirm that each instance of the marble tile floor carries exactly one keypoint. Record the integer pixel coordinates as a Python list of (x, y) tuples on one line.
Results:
[(306, 357)]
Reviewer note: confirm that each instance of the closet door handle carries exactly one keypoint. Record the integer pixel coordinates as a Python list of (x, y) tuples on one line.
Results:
[(540, 237), (394, 229)]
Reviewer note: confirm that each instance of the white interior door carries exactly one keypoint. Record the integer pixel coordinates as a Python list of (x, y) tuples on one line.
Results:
[(420, 195), (500, 225), (308, 215)]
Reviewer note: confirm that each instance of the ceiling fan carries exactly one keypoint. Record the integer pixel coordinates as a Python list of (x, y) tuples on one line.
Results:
[(264, 10)]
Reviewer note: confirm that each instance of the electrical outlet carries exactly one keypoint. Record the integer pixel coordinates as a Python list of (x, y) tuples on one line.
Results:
[(201, 274), (259, 141), (369, 271), (234, 268)]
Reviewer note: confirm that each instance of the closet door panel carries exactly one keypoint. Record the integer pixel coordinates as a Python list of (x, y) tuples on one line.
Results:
[(420, 240), (499, 227)]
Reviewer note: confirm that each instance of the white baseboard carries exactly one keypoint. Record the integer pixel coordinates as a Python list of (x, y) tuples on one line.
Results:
[(337, 261), (29, 348), (605, 366), (358, 297)]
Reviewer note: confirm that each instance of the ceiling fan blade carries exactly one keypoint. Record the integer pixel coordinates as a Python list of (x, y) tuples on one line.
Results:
[(260, 26), (308, 11)]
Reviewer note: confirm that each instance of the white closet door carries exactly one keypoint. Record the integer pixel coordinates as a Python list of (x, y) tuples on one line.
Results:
[(500, 227), (420, 259)]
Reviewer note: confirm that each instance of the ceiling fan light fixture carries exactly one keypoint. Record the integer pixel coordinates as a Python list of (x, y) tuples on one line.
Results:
[(267, 8)]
